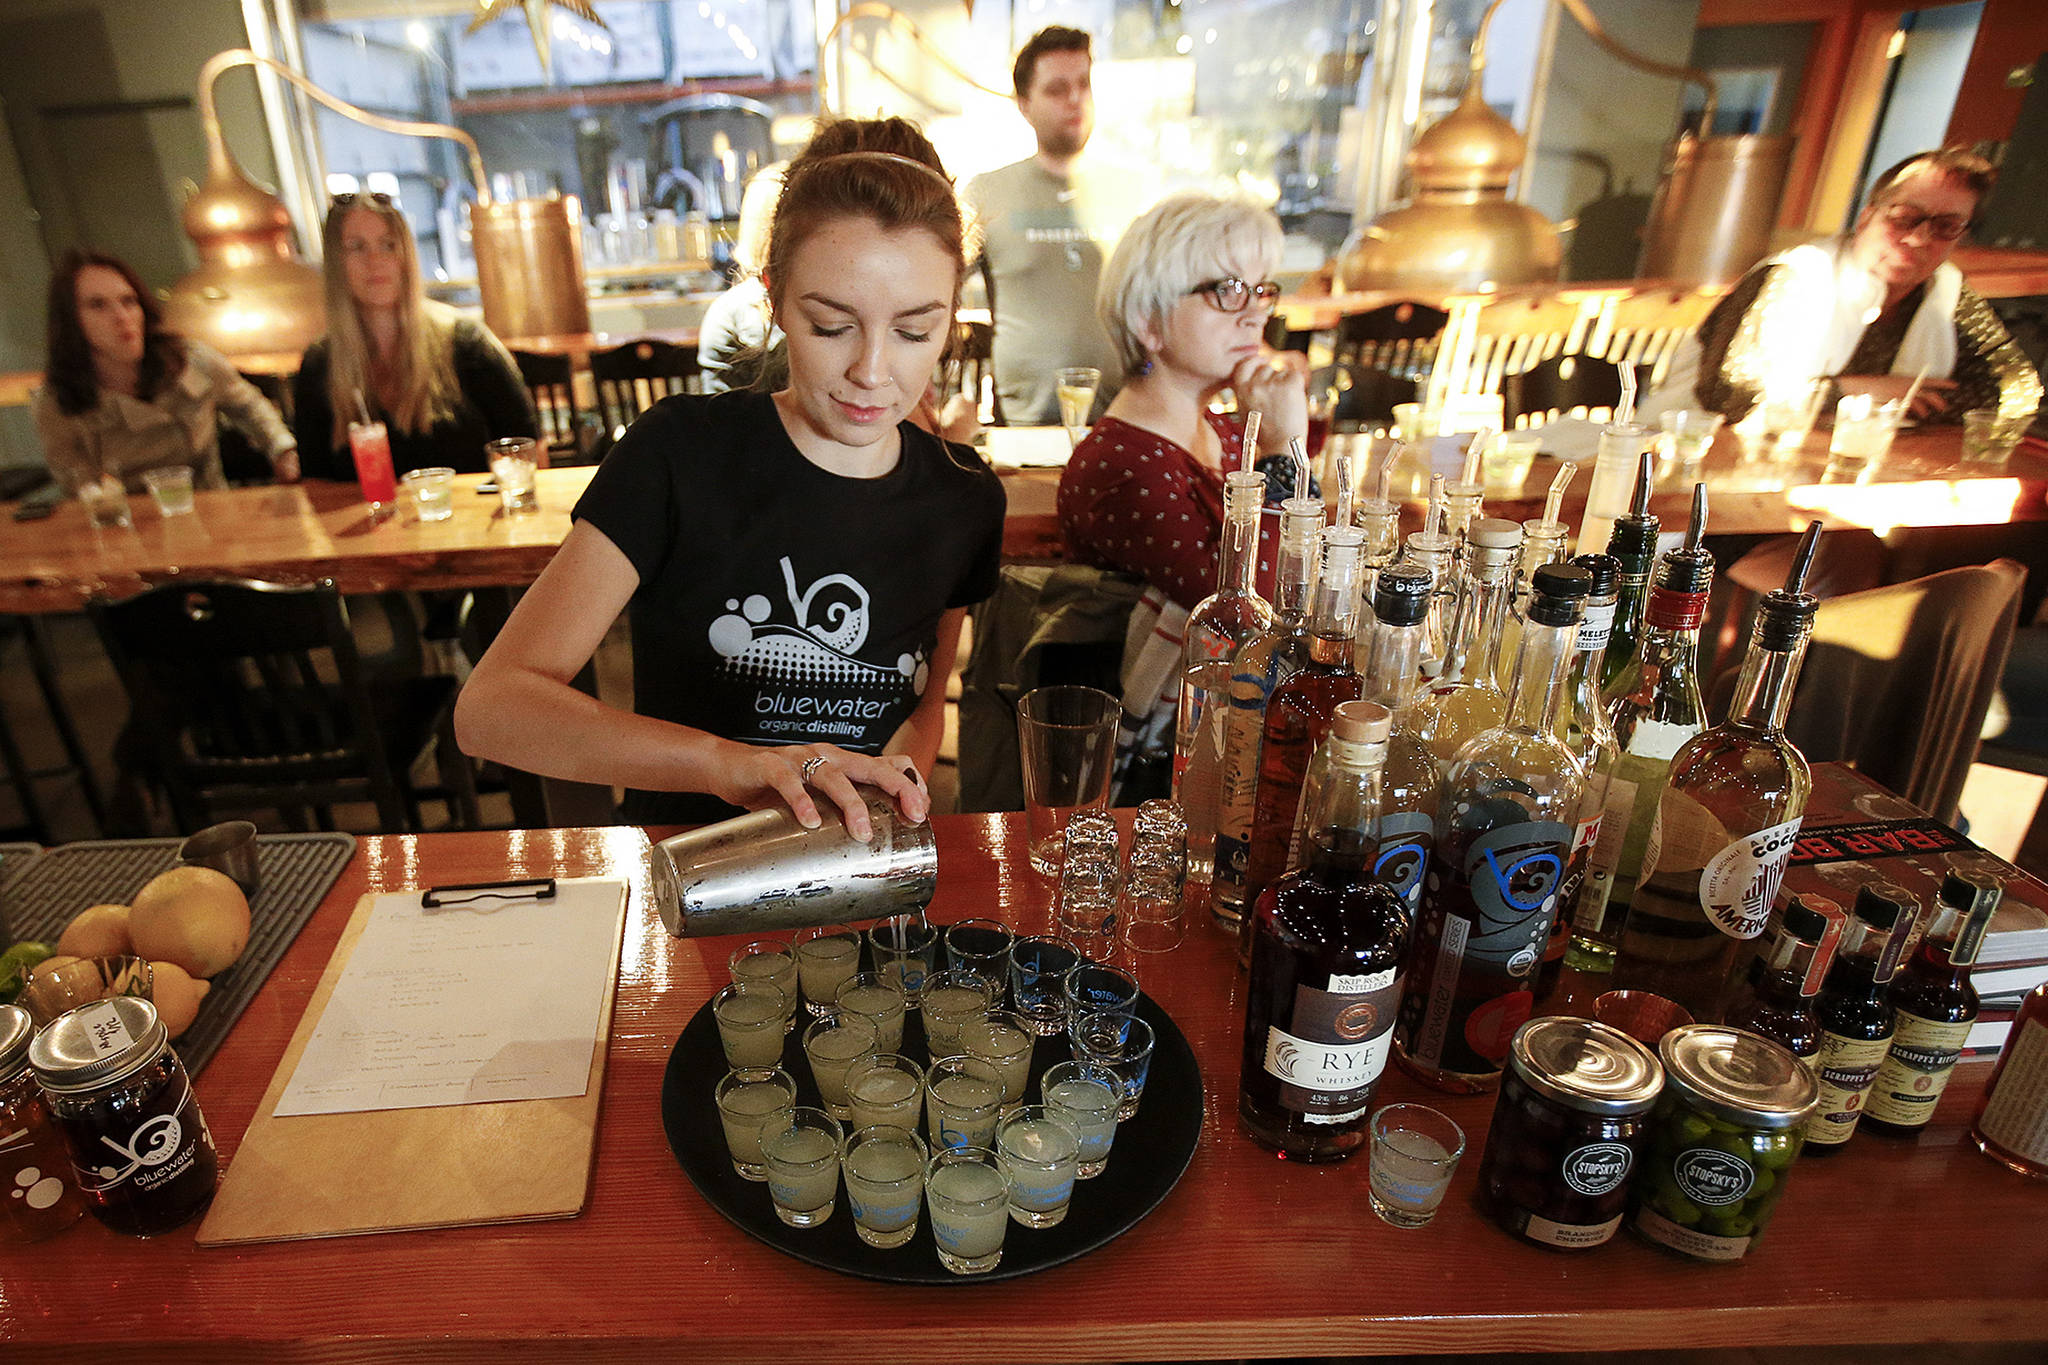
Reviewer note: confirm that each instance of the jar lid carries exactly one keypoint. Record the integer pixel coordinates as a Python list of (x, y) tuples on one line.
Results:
[(97, 1044), (1737, 1076), (1586, 1065), (16, 1029)]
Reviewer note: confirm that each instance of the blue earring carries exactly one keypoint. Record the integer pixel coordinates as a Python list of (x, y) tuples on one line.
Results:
[(1145, 365)]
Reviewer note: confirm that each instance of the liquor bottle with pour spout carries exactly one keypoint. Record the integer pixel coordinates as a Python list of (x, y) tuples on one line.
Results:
[(1437, 551), (1467, 698), (1633, 542), (1727, 820), (1583, 726), (1856, 1014), (1936, 1005), (1328, 942), (1503, 834)]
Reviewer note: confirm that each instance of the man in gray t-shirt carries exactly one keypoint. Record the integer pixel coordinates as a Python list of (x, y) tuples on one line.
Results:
[(1049, 223)]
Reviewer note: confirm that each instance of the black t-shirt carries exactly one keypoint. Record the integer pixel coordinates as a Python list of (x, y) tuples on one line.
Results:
[(780, 603)]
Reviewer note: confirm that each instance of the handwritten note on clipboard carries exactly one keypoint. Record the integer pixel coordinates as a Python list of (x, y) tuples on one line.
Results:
[(450, 1063)]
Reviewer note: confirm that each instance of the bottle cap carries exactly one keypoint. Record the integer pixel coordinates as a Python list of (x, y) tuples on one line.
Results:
[(1977, 897), (1362, 722), (1401, 596), (1880, 908), (1492, 533), (1802, 921), (1604, 572), (1560, 595)]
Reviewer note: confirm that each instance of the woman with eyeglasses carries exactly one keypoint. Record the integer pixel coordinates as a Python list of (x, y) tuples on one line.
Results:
[(797, 563), (1185, 298), (123, 396), (1873, 309), (440, 382)]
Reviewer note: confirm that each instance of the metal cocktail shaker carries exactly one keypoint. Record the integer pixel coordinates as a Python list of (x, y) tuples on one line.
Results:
[(764, 871)]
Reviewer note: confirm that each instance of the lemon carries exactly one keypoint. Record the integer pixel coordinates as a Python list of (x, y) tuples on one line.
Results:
[(177, 996), (99, 931)]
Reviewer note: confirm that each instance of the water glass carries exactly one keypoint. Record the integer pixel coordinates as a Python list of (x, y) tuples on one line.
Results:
[(749, 1016), (833, 1044), (1123, 1045), (172, 489), (1689, 434), (1003, 1040), (826, 958), (1066, 739), (877, 999), (1077, 386), (949, 1000), (970, 1208), (801, 1151), (750, 1098), (905, 949), (1038, 972), (1989, 438), (962, 1096), (981, 946), (1786, 413), (431, 493), (885, 1089), (1413, 1152), (106, 504), (884, 1172), (1086, 1096), (513, 460), (1864, 427), (770, 960), (1038, 1154)]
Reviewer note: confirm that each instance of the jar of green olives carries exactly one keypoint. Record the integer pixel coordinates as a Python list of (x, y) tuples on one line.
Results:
[(1567, 1131), (1723, 1140)]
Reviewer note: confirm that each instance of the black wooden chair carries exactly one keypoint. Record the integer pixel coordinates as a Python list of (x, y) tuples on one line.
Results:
[(251, 695), (634, 377), (1564, 384), (1364, 397), (1400, 338), (551, 380), (20, 774)]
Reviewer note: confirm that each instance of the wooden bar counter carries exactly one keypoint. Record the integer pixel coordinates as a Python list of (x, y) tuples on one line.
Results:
[(1920, 1241)]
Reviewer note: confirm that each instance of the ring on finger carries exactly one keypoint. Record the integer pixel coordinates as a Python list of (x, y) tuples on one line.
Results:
[(810, 765)]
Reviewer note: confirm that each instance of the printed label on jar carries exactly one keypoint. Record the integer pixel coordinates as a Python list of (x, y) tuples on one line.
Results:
[(1741, 881), (2016, 1117), (1701, 1245), (1597, 1168), (1539, 1229), (1336, 1046), (1712, 1177), (160, 1150), (1846, 1067), (1923, 1054)]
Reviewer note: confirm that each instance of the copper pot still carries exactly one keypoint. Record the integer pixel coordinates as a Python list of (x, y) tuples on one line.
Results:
[(529, 265), (1716, 205)]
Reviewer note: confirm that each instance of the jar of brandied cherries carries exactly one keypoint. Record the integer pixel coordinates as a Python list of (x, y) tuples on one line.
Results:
[(145, 1161), (38, 1196), (1567, 1129)]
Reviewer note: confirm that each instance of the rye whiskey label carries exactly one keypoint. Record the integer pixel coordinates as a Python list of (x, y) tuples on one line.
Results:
[(1335, 1046)]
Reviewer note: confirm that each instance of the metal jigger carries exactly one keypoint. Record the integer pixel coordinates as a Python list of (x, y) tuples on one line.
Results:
[(763, 871)]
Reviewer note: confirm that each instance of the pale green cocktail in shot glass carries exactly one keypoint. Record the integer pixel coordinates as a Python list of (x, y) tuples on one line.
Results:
[(884, 1172), (749, 1016), (768, 959), (1003, 1039), (951, 999), (748, 1100), (1086, 1096), (801, 1151), (1037, 1153), (833, 1044), (878, 1000), (962, 1097), (970, 1209), (885, 1089), (826, 957)]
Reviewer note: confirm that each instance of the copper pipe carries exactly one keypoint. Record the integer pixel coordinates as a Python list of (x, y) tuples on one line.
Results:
[(1607, 43), (898, 20)]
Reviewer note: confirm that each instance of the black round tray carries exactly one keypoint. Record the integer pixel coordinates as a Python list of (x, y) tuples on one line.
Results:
[(1152, 1150)]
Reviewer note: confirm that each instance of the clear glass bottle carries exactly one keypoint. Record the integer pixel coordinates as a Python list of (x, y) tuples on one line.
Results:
[(1935, 1004), (1726, 822), (1582, 725), (1467, 699), (1380, 519), (1438, 553), (1634, 543), (1328, 943), (1462, 507), (1259, 667), (1299, 711), (2011, 1126), (1856, 1017), (1412, 779), (1784, 982), (1502, 837), (1220, 625), (1543, 542), (1655, 709)]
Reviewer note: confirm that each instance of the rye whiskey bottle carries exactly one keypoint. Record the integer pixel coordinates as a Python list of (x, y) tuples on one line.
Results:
[(1856, 1017), (1503, 833), (1328, 941), (1936, 1005)]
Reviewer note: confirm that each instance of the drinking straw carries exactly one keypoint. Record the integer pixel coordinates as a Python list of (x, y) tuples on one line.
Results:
[(1913, 391), (1299, 456), (1341, 471), (1438, 514), (1626, 412), (1251, 446), (1555, 501), (1473, 454), (362, 407)]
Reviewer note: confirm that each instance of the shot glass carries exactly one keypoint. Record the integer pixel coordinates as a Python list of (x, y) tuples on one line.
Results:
[(749, 1099), (1038, 969), (1123, 1045), (431, 493), (970, 1208), (1066, 738), (770, 960), (1787, 413), (801, 1151), (833, 1044), (229, 847), (1085, 1095), (981, 946), (884, 1172), (1689, 434), (1413, 1152), (885, 1089), (1864, 427), (950, 999), (905, 949), (1038, 1154), (1077, 386), (1003, 1040), (172, 489), (1097, 986), (826, 958), (1989, 438), (962, 1097), (878, 1000), (106, 503), (749, 1016), (513, 460)]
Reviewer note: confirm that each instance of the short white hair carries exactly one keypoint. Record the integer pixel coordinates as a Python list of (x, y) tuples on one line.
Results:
[(1184, 240)]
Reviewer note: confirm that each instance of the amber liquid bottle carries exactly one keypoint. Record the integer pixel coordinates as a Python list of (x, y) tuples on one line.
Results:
[(1298, 714), (1936, 1005), (1328, 941), (1785, 981), (1502, 838), (2011, 1126), (1856, 1018)]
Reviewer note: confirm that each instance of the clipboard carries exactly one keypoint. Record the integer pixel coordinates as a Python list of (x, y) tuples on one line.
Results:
[(408, 1169)]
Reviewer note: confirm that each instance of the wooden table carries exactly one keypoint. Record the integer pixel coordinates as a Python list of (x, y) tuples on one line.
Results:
[(1916, 1241)]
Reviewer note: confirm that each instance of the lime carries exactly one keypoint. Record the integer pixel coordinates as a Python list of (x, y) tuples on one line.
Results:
[(15, 965)]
